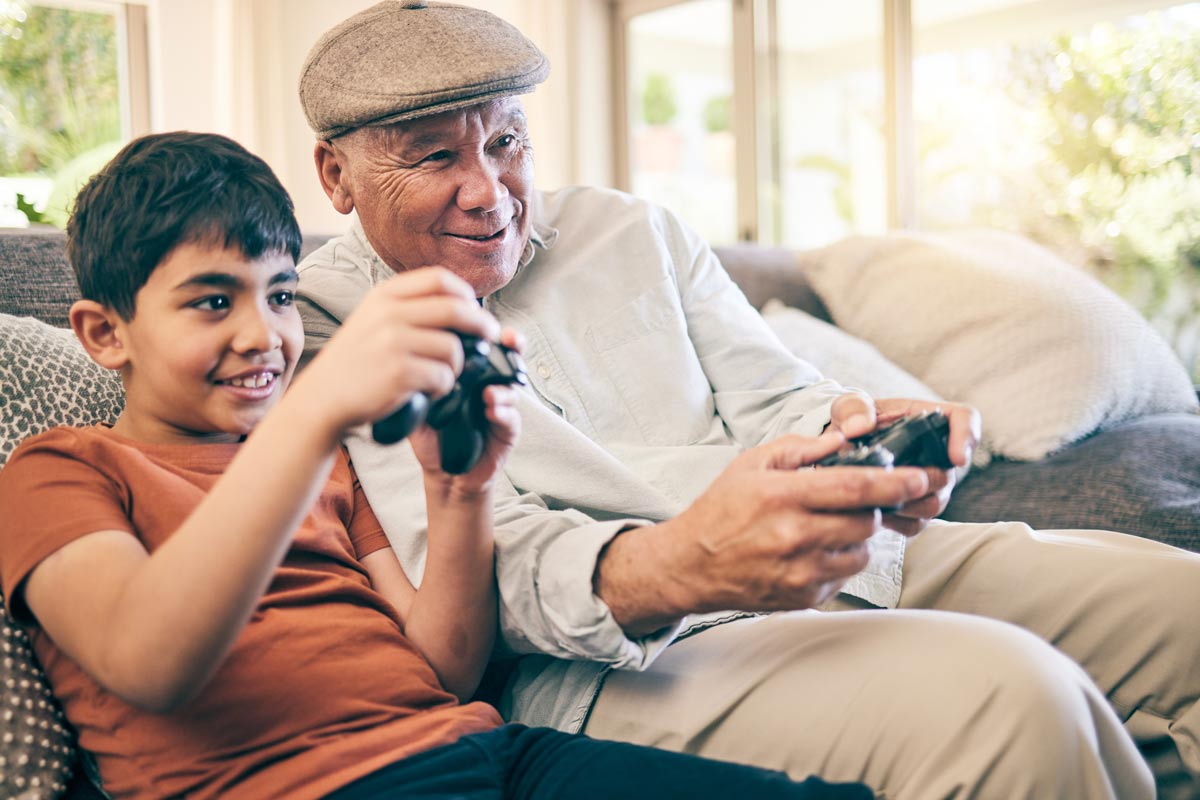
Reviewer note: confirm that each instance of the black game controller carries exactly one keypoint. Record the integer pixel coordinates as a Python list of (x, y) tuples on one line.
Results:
[(917, 441), (460, 416)]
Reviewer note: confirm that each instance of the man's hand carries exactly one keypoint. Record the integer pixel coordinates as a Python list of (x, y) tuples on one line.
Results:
[(854, 415), (765, 536)]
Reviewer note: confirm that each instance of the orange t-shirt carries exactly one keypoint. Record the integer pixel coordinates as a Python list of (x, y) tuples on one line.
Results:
[(320, 688)]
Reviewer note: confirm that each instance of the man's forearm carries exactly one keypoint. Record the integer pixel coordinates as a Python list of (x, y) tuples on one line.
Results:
[(636, 580)]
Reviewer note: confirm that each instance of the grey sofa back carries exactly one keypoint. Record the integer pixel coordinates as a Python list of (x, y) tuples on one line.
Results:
[(37, 281)]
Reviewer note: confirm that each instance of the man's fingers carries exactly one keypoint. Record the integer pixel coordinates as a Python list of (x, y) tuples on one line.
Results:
[(966, 427), (844, 488), (905, 526), (852, 415), (791, 452)]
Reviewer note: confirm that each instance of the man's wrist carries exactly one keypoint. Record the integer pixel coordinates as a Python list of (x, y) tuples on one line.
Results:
[(636, 578)]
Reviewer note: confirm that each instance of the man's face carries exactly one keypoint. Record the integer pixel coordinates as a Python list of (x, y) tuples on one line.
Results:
[(451, 190)]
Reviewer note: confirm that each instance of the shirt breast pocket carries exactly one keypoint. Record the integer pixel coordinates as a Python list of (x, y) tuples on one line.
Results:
[(647, 356)]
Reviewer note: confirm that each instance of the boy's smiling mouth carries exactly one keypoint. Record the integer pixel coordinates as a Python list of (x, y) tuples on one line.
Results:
[(253, 380)]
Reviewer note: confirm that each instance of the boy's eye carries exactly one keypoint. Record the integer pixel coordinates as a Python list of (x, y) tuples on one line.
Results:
[(216, 302), (283, 298)]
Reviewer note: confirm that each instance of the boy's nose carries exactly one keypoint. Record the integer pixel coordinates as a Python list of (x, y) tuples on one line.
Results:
[(256, 333)]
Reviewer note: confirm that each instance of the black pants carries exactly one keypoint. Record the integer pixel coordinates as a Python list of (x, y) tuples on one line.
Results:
[(524, 763)]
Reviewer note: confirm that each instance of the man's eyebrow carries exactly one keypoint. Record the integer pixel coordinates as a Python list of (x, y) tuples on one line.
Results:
[(423, 141)]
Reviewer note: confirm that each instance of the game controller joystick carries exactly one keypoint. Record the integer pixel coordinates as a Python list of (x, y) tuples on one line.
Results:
[(917, 441), (460, 417)]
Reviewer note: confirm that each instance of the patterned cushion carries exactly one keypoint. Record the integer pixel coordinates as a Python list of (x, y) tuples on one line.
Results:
[(46, 379)]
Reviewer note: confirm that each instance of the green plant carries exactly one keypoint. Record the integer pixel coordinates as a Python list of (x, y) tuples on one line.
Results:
[(717, 113), (658, 99), (59, 90)]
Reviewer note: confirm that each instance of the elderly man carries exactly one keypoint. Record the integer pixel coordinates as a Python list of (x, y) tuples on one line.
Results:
[(657, 485)]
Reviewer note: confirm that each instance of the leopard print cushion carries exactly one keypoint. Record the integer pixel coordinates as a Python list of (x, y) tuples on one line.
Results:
[(46, 379)]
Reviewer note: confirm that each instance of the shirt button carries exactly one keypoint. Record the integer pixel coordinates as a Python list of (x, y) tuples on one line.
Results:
[(543, 370)]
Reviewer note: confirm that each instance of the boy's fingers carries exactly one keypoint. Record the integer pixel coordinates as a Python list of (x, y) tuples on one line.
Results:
[(428, 281), (513, 339)]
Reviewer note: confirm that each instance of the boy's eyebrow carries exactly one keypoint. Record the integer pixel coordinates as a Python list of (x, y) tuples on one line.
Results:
[(225, 280)]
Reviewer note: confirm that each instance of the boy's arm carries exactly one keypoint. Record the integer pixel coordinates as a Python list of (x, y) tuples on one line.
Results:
[(153, 628), (451, 619)]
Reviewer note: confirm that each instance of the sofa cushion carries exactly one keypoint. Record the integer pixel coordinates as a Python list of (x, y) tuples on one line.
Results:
[(850, 361), (1044, 351), (1139, 477), (46, 379)]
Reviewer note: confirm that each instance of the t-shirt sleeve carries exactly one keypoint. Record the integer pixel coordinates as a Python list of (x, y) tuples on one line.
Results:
[(49, 497), (366, 534)]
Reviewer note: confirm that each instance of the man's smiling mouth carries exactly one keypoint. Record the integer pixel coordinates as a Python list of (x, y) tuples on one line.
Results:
[(485, 237)]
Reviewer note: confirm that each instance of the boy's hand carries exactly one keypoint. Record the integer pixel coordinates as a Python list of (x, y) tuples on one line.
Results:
[(504, 426), (398, 341)]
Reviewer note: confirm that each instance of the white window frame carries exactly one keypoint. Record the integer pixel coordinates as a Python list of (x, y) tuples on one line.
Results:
[(754, 69), (133, 54)]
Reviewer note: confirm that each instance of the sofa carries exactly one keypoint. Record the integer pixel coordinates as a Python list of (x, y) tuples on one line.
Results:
[(1096, 422)]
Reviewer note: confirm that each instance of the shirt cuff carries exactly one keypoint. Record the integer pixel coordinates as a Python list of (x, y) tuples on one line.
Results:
[(581, 619)]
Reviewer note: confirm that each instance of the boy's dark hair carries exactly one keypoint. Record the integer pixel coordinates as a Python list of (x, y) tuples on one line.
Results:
[(169, 189)]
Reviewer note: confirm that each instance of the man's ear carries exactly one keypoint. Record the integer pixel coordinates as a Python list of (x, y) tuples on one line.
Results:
[(97, 328), (331, 171)]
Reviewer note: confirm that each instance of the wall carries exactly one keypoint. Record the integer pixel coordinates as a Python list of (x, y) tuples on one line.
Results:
[(231, 66)]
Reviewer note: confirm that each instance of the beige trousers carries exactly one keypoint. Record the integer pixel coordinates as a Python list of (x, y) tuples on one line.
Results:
[(932, 704)]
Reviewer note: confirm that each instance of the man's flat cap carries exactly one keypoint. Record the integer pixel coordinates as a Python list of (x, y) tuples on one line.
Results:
[(403, 59)]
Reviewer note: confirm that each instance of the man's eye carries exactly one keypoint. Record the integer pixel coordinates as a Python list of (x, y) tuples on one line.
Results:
[(283, 298), (216, 302), (440, 155), (507, 140)]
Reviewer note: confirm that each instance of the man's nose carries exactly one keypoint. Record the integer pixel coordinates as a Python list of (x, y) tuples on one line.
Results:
[(256, 332), (482, 187)]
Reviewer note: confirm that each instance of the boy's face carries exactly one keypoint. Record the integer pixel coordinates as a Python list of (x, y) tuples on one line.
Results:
[(212, 345)]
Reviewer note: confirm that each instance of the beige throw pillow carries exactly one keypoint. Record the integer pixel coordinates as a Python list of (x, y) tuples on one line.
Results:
[(1044, 351)]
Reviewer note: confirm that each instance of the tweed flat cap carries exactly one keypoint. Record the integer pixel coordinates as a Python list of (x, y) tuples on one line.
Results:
[(403, 59)]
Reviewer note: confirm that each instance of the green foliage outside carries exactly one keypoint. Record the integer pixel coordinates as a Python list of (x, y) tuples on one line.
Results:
[(1123, 114), (717, 113), (658, 100), (1119, 111), (59, 89)]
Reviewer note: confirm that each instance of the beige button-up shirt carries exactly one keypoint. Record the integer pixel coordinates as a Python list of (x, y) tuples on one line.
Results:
[(649, 372)]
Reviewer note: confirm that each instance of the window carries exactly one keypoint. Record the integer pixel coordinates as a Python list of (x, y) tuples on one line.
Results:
[(680, 138), (66, 100), (1075, 123)]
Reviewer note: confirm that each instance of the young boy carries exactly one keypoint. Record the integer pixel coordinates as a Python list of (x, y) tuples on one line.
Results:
[(211, 597)]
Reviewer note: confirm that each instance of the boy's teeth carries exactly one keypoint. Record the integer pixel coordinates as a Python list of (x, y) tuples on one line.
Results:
[(251, 381)]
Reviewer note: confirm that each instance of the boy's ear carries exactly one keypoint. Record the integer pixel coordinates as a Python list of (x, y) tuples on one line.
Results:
[(331, 171), (96, 327)]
